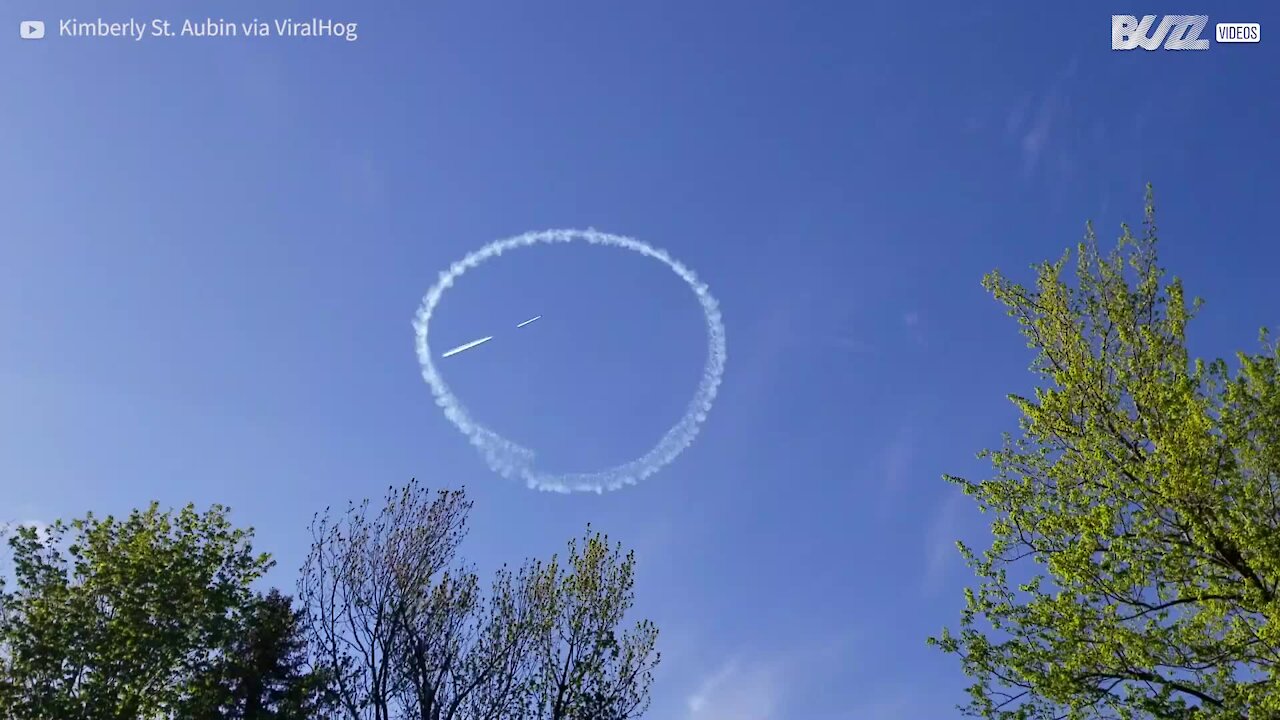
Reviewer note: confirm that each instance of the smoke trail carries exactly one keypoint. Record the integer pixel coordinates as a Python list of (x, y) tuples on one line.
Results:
[(466, 346), (512, 460)]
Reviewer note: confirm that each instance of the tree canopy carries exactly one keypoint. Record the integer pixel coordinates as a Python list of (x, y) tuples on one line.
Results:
[(1136, 522), (155, 616), (263, 672), (112, 618), (406, 629)]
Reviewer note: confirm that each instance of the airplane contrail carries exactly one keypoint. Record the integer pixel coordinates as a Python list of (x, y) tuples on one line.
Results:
[(468, 346), (526, 322), (513, 460)]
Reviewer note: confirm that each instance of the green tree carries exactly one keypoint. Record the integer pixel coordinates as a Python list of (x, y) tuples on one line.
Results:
[(586, 669), (113, 618), (407, 630), (263, 673), (1136, 534)]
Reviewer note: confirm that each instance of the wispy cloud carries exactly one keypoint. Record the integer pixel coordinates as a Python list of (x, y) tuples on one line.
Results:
[(41, 528), (895, 466), (774, 685), (913, 321), (851, 343), (1037, 135), (940, 540), (1035, 123), (1018, 116), (739, 691)]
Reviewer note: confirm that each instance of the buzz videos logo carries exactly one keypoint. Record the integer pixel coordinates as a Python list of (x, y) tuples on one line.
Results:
[(1176, 32)]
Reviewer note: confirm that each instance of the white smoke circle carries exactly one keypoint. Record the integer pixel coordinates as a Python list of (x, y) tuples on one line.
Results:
[(512, 460)]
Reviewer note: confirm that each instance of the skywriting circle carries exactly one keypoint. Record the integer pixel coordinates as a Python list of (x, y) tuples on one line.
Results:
[(512, 460)]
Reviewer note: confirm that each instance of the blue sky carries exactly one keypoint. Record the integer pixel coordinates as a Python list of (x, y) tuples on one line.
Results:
[(213, 250)]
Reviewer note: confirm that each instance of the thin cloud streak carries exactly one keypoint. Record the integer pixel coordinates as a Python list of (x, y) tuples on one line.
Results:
[(895, 467), (940, 541), (1036, 133), (738, 692)]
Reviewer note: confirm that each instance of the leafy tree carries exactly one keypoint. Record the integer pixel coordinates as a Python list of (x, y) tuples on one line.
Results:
[(406, 630), (112, 618), (585, 669), (1136, 551), (377, 595), (263, 673)]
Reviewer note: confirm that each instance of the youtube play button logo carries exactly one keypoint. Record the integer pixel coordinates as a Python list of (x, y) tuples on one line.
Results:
[(31, 29)]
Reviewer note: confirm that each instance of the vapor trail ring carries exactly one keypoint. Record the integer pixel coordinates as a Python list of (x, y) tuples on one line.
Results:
[(511, 459)]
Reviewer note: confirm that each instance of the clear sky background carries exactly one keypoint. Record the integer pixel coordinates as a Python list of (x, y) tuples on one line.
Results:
[(212, 252)]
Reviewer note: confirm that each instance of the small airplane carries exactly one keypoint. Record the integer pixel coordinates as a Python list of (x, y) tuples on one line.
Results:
[(467, 346), (482, 340)]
